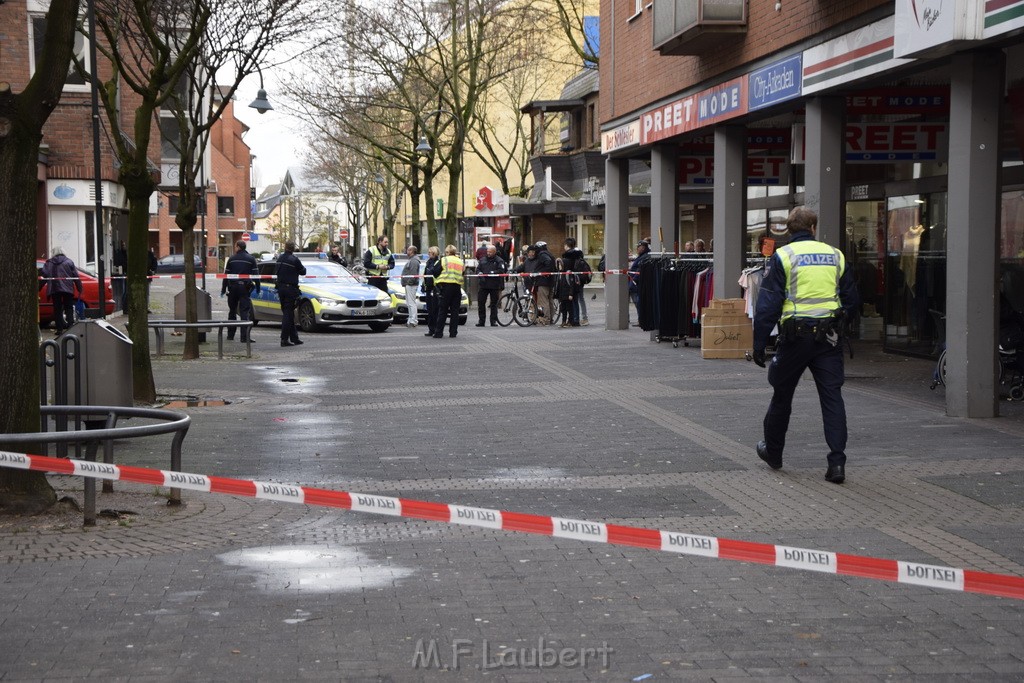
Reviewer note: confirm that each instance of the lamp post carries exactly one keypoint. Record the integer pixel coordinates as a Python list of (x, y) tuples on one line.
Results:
[(424, 148), (261, 103)]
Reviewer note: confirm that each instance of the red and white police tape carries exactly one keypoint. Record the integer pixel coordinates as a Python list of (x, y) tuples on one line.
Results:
[(244, 276), (932, 576)]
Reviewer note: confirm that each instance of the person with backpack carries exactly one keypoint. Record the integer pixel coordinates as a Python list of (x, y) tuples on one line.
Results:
[(570, 282), (584, 274), (64, 286), (544, 282)]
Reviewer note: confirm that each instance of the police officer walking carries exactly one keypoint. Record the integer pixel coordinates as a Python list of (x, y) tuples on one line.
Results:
[(238, 291), (807, 291), (289, 268), (378, 260), (450, 283)]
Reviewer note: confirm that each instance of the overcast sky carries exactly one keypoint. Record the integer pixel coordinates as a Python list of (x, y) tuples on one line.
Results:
[(274, 138)]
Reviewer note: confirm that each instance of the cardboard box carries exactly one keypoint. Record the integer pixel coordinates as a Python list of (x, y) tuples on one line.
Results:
[(725, 334), (737, 305)]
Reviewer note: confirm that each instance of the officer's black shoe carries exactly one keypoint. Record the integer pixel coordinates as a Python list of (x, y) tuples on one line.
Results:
[(762, 452), (297, 342), (835, 474), (480, 324), (287, 343)]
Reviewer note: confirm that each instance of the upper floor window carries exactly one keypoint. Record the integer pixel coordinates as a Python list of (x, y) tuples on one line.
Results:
[(37, 32), (226, 206)]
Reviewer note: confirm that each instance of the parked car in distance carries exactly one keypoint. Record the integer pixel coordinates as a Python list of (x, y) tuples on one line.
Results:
[(175, 263), (331, 295), (90, 293), (397, 292)]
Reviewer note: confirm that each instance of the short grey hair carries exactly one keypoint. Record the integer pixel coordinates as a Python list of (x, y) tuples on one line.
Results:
[(57, 251)]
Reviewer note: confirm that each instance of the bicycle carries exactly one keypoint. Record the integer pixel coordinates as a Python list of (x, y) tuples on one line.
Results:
[(516, 306)]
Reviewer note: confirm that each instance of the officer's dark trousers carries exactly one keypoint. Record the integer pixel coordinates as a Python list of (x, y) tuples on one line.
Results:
[(289, 297), (433, 304), (482, 305), (451, 296), (826, 364), (239, 308)]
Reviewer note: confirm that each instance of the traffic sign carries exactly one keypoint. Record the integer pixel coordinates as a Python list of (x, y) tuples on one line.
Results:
[(343, 234), (246, 237)]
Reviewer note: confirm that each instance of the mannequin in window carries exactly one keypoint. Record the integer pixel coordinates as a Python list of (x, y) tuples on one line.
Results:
[(908, 255)]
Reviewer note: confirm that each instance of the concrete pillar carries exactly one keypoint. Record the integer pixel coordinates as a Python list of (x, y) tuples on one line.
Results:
[(730, 217), (665, 197), (826, 156), (976, 90), (616, 242)]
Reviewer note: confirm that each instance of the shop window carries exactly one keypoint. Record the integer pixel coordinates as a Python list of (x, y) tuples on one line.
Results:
[(74, 81), (225, 206)]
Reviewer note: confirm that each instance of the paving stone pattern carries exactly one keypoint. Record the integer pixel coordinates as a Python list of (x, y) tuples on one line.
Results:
[(582, 423)]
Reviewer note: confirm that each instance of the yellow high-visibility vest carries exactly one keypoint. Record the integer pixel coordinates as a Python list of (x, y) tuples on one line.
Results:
[(812, 272), (451, 271), (380, 262)]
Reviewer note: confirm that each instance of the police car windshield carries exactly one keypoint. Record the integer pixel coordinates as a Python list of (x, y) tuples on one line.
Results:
[(329, 269)]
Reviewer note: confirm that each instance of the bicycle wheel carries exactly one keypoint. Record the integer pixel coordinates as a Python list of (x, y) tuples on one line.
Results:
[(521, 311), (940, 369), (506, 310)]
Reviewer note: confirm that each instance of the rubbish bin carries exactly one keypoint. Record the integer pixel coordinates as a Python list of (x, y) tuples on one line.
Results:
[(105, 358), (204, 310)]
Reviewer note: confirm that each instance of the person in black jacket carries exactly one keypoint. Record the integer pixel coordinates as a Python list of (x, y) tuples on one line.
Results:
[(431, 270), (643, 255), (544, 283), (569, 285), (490, 287), (239, 291), (289, 268), (62, 284)]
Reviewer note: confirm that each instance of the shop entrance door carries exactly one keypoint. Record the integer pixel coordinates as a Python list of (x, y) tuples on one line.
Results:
[(915, 274), (865, 253)]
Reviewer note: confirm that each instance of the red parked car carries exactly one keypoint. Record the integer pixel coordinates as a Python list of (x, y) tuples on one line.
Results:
[(90, 292)]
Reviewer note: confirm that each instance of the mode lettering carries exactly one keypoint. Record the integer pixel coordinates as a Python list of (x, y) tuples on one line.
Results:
[(13, 457)]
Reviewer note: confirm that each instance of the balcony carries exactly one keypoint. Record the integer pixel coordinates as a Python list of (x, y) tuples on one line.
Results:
[(692, 27)]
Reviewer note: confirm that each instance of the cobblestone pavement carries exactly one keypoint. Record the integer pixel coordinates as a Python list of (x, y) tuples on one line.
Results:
[(582, 423)]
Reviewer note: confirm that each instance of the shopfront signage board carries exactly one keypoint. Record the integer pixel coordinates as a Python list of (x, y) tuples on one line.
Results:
[(775, 83)]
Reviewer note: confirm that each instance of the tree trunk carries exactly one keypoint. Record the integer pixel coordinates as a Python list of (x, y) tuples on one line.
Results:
[(20, 490), (138, 189), (22, 117), (191, 351)]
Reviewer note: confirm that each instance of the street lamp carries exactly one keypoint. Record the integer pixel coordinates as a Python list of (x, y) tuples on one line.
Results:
[(261, 103), (424, 148)]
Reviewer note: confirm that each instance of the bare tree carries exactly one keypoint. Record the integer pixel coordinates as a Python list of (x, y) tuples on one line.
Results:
[(240, 36), (405, 70), (22, 116), (572, 15)]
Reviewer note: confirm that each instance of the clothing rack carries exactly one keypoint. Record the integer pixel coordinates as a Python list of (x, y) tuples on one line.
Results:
[(674, 289)]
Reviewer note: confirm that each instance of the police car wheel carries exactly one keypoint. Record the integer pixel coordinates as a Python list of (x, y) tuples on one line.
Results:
[(307, 317)]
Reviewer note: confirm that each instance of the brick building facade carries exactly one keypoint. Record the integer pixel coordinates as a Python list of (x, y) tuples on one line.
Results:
[(899, 123)]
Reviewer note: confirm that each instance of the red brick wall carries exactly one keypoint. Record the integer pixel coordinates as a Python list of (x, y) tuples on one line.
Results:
[(642, 76)]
